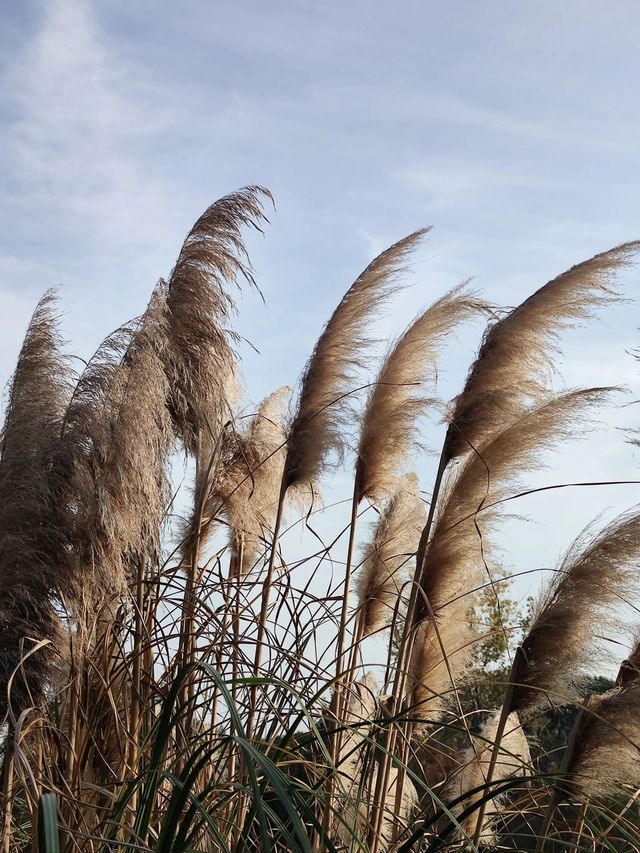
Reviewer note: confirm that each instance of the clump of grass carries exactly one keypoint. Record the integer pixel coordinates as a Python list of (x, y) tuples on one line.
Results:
[(192, 687)]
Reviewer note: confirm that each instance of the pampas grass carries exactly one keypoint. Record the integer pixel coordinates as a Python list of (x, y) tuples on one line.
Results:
[(397, 401), (247, 488), (466, 787), (516, 358), (212, 686), (385, 560), (329, 377), (456, 559), (595, 581), (30, 537)]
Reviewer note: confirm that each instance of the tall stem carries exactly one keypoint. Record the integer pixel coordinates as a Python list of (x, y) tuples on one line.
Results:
[(264, 609), (7, 790), (408, 631)]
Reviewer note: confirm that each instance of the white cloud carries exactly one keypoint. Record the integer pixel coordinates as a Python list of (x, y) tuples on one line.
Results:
[(85, 116)]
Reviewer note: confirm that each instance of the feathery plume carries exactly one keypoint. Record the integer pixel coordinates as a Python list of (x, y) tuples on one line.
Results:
[(516, 356), (247, 487), (329, 375), (397, 401), (385, 561), (30, 541), (213, 456), (513, 759), (116, 439), (456, 554), (200, 306), (586, 596), (607, 753)]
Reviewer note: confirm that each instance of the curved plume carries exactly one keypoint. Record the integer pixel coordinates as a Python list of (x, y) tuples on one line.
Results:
[(513, 759), (607, 753), (247, 487), (329, 375), (516, 355), (396, 400), (593, 582), (212, 257), (384, 566), (30, 540), (116, 439), (456, 555)]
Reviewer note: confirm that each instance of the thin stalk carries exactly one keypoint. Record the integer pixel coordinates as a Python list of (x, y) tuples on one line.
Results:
[(7, 790), (235, 827), (235, 622), (404, 650), (262, 621), (338, 700), (136, 692)]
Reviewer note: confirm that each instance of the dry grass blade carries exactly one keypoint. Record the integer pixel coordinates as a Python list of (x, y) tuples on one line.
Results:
[(514, 759), (200, 305), (587, 596), (329, 375), (456, 556), (30, 540), (385, 560), (397, 401), (516, 356)]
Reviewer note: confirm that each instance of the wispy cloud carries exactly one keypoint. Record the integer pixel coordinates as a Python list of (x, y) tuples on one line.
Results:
[(85, 117)]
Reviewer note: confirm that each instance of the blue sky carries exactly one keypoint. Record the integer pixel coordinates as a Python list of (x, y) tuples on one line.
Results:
[(512, 128)]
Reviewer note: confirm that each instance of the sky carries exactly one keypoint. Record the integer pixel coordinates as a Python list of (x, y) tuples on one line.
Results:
[(511, 128)]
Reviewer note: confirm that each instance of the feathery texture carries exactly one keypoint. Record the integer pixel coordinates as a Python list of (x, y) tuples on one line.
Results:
[(587, 596), (397, 401), (247, 486), (200, 306), (116, 439), (213, 456), (30, 540), (387, 558), (630, 667), (329, 376), (516, 355), (455, 559), (514, 759), (608, 749)]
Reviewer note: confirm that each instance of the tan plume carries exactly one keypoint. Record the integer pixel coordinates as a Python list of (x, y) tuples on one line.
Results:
[(513, 760), (329, 376), (397, 399), (214, 454), (516, 356), (457, 555), (607, 753), (590, 588), (116, 440), (212, 259), (30, 540), (386, 559), (247, 486)]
